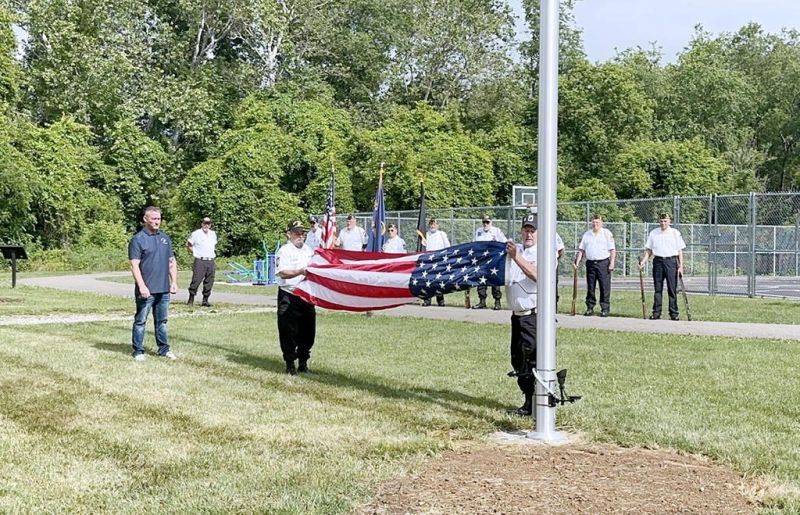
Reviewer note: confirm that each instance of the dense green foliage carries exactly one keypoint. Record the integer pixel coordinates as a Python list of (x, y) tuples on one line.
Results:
[(242, 110)]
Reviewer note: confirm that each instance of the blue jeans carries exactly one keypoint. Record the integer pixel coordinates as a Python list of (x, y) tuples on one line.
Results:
[(159, 302)]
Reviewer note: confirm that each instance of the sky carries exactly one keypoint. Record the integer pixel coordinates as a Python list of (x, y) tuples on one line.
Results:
[(620, 24)]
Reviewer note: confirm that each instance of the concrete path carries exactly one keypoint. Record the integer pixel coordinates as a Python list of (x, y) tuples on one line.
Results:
[(92, 283)]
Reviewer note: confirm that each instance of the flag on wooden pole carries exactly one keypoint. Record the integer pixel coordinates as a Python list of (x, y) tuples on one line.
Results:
[(329, 225), (422, 227)]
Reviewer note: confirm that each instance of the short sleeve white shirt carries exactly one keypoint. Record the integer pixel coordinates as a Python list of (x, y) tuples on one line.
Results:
[(597, 246), (203, 244), (436, 240), (353, 239), (665, 243), (395, 245), (559, 244), (314, 238), (290, 257), (521, 289), (491, 234)]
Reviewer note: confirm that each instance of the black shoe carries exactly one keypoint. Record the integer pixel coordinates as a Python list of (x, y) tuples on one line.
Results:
[(205, 303), (440, 304), (303, 367), (522, 411), (674, 317), (190, 302), (655, 317), (479, 305), (290, 368), (426, 302), (588, 313), (497, 305), (604, 314)]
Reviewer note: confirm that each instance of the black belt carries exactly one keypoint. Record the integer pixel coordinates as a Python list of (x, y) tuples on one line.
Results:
[(596, 260), (206, 259), (665, 257)]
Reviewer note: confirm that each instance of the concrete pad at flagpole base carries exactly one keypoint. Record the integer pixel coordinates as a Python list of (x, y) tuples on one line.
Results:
[(553, 437), (523, 438)]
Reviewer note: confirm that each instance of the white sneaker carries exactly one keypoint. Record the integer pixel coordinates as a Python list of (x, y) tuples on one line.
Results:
[(170, 355), (140, 357)]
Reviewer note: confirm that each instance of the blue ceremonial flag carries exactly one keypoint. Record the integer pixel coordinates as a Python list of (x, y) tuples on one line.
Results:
[(377, 233)]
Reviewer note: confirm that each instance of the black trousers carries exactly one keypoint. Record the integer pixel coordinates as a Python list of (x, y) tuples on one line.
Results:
[(202, 271), (597, 272), (665, 268), (497, 293), (297, 325), (523, 350)]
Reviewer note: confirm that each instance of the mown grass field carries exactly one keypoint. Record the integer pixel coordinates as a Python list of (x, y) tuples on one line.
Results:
[(84, 428)]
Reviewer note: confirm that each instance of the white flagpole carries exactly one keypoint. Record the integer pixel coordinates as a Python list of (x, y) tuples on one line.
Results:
[(546, 251)]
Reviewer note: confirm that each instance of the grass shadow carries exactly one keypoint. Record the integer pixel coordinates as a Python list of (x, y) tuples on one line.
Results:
[(446, 399)]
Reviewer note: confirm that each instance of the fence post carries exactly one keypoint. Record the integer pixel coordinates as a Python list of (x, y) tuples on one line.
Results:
[(751, 283), (676, 210), (712, 244), (796, 243)]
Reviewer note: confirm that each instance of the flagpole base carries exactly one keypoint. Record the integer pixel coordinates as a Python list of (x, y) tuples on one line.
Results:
[(547, 436)]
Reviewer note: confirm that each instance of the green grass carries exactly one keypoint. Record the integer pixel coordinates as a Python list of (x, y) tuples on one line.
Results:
[(36, 301), (30, 300), (703, 307), (85, 428)]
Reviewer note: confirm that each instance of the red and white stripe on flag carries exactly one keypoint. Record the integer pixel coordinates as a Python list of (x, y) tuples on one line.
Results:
[(357, 281), (328, 233)]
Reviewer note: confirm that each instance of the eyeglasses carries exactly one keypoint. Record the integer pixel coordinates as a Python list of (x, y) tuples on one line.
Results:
[(486, 222)]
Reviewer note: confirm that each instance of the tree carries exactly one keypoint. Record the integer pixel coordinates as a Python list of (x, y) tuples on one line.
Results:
[(657, 169), (140, 173), (451, 46), (66, 199), (9, 71), (18, 186), (569, 40), (602, 108), (239, 188), (513, 154), (422, 145)]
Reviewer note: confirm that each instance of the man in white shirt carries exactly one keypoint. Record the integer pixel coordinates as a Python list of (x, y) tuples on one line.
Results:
[(598, 246), (521, 278), (202, 244), (435, 240), (352, 237), (297, 318), (666, 245), (489, 232), (314, 236), (394, 243)]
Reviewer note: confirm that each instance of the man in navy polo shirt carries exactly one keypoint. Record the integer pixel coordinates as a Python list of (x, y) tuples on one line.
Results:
[(156, 275)]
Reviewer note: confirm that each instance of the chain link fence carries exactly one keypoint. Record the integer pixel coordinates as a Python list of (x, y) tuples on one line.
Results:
[(735, 244)]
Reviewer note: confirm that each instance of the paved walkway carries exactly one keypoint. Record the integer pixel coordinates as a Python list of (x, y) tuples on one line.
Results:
[(92, 283)]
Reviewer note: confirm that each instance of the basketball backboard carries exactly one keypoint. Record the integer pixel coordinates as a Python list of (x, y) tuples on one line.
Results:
[(523, 197)]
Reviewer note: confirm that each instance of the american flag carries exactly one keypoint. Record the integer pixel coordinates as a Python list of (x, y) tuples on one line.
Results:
[(367, 281), (329, 224)]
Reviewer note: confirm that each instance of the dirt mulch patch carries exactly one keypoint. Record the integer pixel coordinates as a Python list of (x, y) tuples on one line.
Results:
[(572, 478)]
